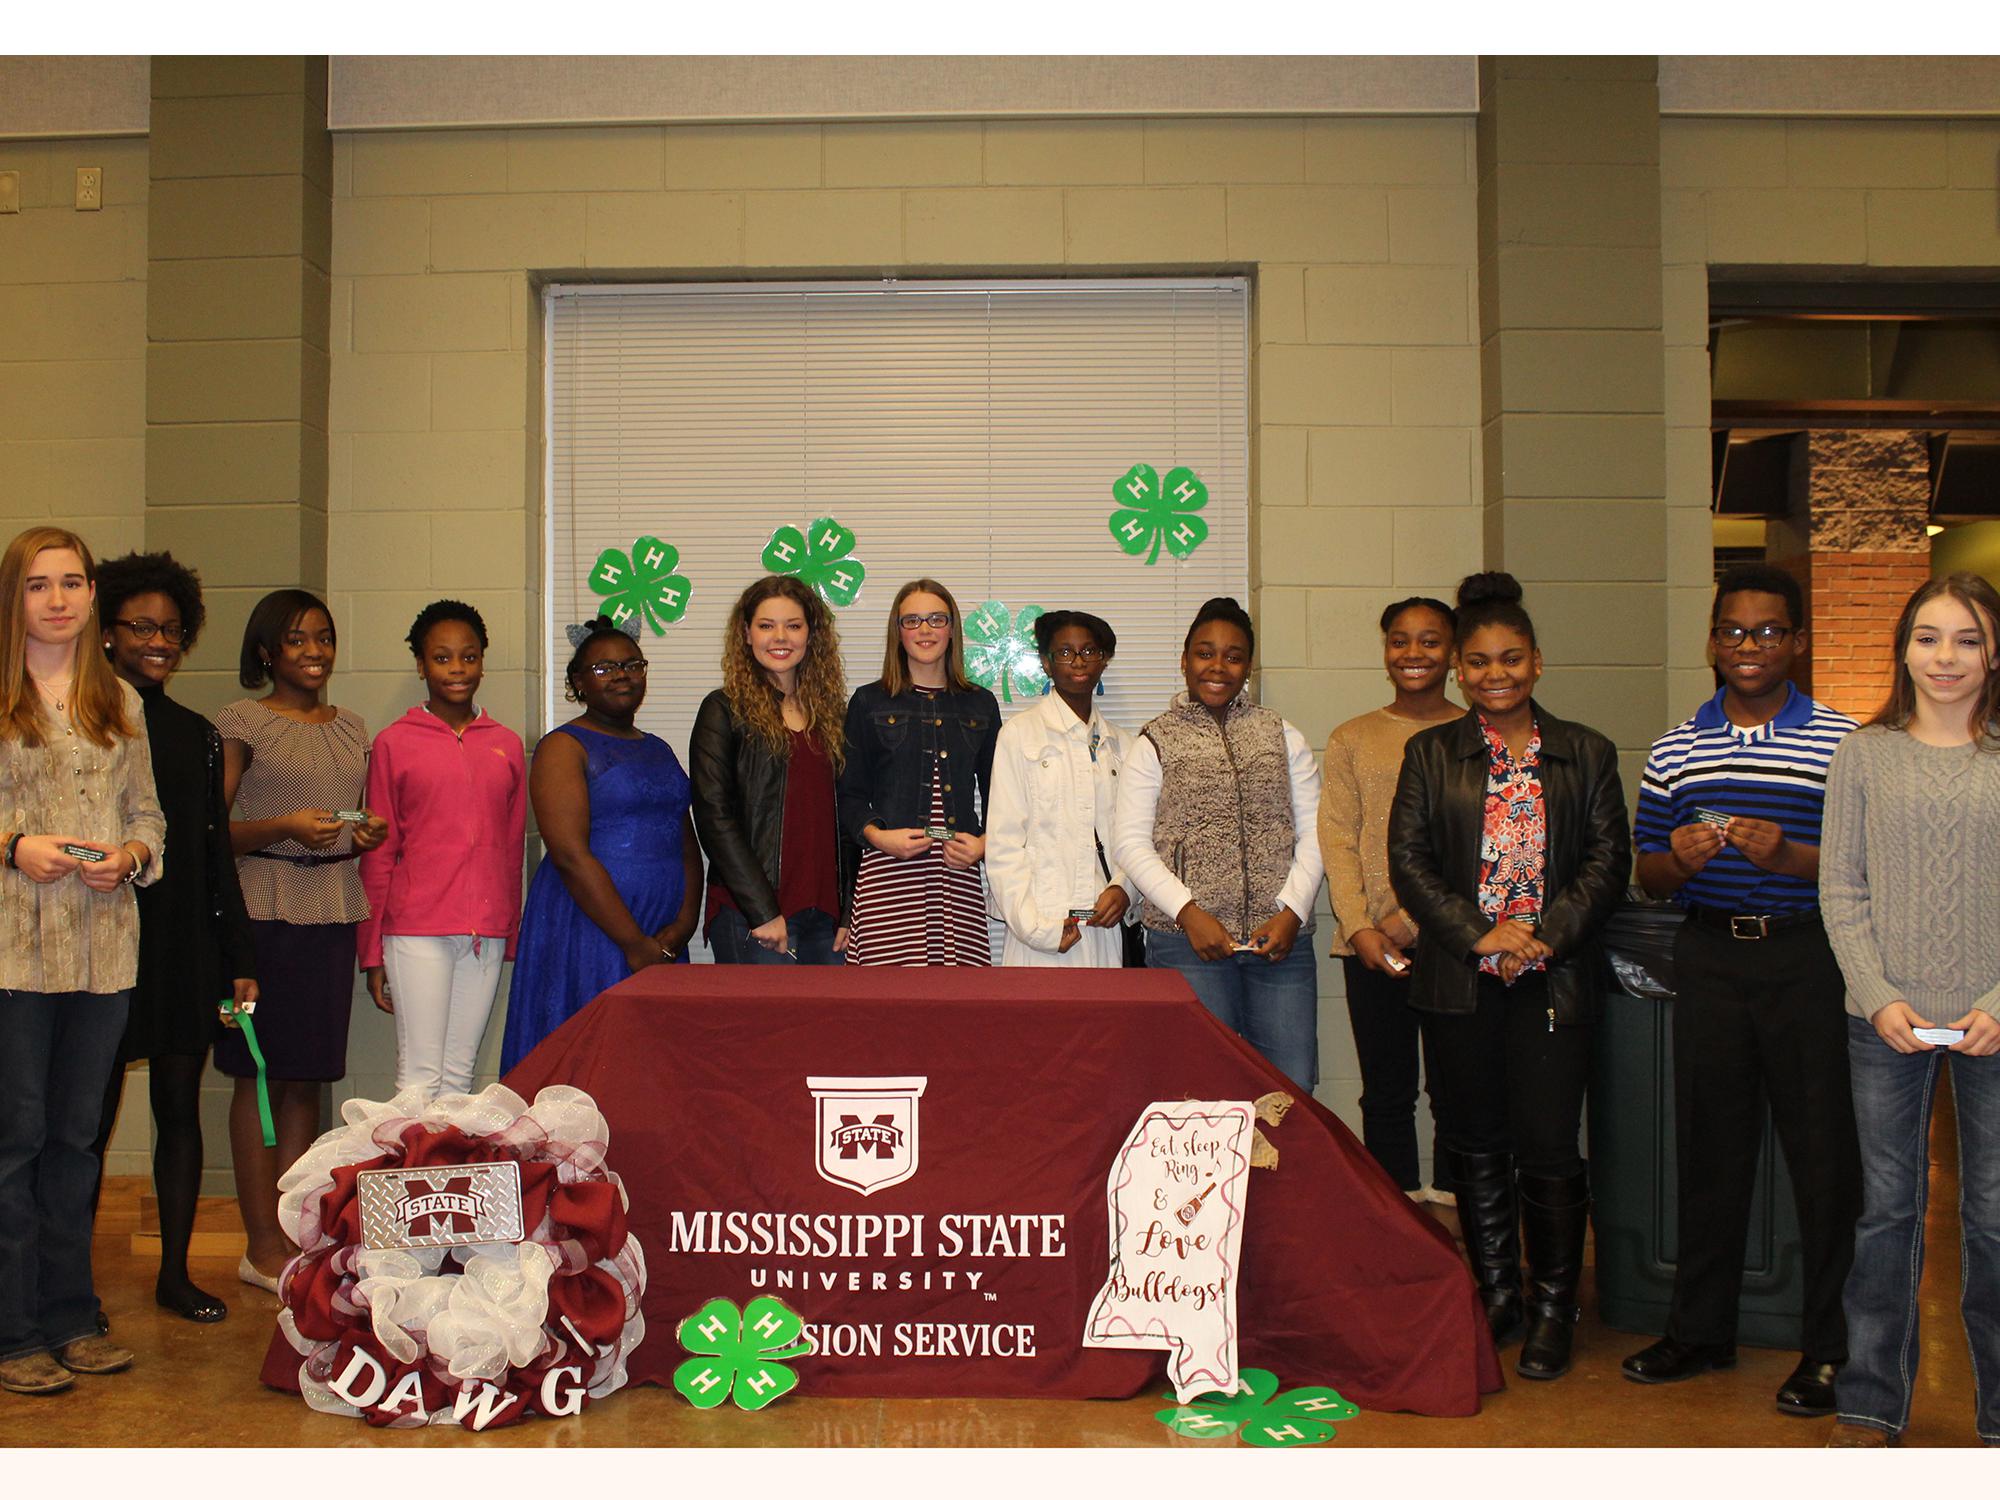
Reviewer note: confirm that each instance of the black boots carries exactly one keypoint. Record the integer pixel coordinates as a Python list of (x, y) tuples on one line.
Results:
[(1554, 1212), (1488, 1218)]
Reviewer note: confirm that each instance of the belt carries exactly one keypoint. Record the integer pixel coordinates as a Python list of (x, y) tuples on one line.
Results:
[(1751, 928), (304, 859)]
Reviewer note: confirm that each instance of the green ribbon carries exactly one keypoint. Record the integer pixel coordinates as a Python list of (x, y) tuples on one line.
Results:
[(249, 1029)]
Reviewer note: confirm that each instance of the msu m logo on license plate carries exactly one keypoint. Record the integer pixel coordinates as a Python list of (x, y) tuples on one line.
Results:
[(866, 1130), (417, 1208)]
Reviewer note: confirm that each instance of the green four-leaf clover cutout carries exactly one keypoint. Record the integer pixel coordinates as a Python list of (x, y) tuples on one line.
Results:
[(1155, 512), (1297, 1419), (1000, 650), (644, 583), (818, 556), (740, 1354)]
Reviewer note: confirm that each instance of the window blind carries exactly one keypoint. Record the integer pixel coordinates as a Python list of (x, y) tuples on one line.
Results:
[(971, 432)]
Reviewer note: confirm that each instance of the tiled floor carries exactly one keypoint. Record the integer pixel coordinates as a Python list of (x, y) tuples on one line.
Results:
[(182, 1369)]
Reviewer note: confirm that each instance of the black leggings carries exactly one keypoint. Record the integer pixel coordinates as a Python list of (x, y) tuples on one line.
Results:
[(176, 1097), (1507, 1077)]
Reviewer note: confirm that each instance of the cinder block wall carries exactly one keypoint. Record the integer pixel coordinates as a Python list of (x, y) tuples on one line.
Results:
[(1361, 235)]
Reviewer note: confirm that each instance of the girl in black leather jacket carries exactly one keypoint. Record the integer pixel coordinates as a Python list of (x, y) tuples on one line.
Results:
[(1508, 845), (763, 758), (920, 743)]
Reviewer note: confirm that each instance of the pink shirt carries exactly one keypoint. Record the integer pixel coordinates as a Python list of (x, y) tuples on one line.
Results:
[(457, 808)]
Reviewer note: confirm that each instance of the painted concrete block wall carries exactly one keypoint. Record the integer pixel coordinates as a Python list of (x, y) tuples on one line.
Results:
[(73, 378), (1360, 233)]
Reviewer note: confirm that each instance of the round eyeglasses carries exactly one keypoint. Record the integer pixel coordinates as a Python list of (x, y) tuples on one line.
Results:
[(1077, 653)]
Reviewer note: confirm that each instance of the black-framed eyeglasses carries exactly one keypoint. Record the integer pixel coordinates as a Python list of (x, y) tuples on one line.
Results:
[(1078, 653), (1766, 635), (632, 666), (145, 630), (937, 619)]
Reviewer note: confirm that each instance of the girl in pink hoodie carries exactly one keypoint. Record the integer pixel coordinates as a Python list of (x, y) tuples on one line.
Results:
[(444, 889)]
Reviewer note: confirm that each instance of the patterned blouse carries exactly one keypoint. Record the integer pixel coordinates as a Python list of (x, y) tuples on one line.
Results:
[(65, 937), (293, 765), (1515, 840)]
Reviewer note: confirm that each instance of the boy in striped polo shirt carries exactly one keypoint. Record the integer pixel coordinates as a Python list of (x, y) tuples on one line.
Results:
[(1729, 825)]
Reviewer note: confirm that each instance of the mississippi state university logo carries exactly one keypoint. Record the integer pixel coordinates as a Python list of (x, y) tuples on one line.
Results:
[(866, 1130), (477, 1203)]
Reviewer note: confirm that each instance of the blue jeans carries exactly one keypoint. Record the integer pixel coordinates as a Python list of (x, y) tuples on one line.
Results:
[(56, 1055), (1892, 1108), (1272, 1006), (808, 933)]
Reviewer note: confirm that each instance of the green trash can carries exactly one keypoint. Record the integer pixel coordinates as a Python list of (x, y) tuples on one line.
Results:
[(1632, 1156)]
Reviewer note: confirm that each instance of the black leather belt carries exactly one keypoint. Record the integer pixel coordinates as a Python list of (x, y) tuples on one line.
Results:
[(1748, 927), (304, 859)]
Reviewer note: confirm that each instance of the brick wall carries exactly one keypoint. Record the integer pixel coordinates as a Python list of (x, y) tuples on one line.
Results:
[(1854, 600)]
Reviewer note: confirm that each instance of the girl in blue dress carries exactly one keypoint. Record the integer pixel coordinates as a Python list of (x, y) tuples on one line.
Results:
[(619, 887)]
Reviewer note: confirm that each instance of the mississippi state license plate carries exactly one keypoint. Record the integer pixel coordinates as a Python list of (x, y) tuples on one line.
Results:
[(411, 1208)]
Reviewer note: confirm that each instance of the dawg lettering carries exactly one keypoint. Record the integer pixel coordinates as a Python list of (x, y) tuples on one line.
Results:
[(866, 1130)]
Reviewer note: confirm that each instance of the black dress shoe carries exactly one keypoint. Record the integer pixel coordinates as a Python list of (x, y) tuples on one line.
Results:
[(1670, 1360), (1809, 1391)]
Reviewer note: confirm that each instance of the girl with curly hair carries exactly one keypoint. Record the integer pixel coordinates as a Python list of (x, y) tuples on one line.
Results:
[(195, 948), (766, 751)]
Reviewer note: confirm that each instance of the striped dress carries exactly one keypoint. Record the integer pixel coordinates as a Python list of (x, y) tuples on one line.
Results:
[(919, 911)]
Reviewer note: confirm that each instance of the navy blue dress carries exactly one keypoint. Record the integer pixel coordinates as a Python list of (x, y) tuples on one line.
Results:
[(638, 797)]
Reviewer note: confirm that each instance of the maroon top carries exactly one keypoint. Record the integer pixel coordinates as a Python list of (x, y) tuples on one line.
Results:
[(808, 861)]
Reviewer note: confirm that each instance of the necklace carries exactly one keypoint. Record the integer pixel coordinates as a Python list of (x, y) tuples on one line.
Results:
[(51, 694)]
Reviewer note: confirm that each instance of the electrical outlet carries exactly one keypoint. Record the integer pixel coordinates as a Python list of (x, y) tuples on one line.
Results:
[(89, 187), (10, 192)]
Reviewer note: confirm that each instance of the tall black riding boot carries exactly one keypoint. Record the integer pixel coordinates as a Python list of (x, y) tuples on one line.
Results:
[(1490, 1221), (1554, 1213)]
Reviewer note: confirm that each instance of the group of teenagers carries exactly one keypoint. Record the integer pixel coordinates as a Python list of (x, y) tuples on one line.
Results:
[(1472, 857)]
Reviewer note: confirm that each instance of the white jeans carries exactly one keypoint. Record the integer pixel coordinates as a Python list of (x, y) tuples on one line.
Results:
[(443, 989)]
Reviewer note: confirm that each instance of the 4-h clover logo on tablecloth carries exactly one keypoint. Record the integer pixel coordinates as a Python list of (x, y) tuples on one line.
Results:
[(1000, 650), (818, 557), (740, 1354), (1297, 1419), (1159, 512), (644, 583)]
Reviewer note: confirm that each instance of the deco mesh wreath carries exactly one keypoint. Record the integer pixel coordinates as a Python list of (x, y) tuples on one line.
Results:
[(482, 1334)]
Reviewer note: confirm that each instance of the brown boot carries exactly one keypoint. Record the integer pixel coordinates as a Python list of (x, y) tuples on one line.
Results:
[(94, 1354), (34, 1375)]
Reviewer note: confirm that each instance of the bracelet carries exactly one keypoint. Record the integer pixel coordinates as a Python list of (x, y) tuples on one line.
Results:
[(133, 873), (669, 955), (13, 844)]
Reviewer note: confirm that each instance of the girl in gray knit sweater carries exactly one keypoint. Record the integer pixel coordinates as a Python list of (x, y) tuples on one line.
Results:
[(1910, 889)]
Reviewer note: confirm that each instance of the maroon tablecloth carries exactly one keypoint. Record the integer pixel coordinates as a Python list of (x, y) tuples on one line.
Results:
[(1032, 1078)]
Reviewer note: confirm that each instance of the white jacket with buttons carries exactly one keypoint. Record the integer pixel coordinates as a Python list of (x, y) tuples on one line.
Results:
[(1052, 802)]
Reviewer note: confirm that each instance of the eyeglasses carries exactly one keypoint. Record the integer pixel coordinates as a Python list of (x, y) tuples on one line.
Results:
[(145, 630), (1766, 636), (1077, 653), (632, 666), (937, 620)]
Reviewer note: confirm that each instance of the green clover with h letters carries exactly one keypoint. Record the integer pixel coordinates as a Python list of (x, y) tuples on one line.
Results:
[(1156, 512), (1296, 1419), (740, 1355), (1000, 650), (818, 556), (643, 582)]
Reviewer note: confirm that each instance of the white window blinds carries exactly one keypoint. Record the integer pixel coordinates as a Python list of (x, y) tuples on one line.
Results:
[(968, 432)]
